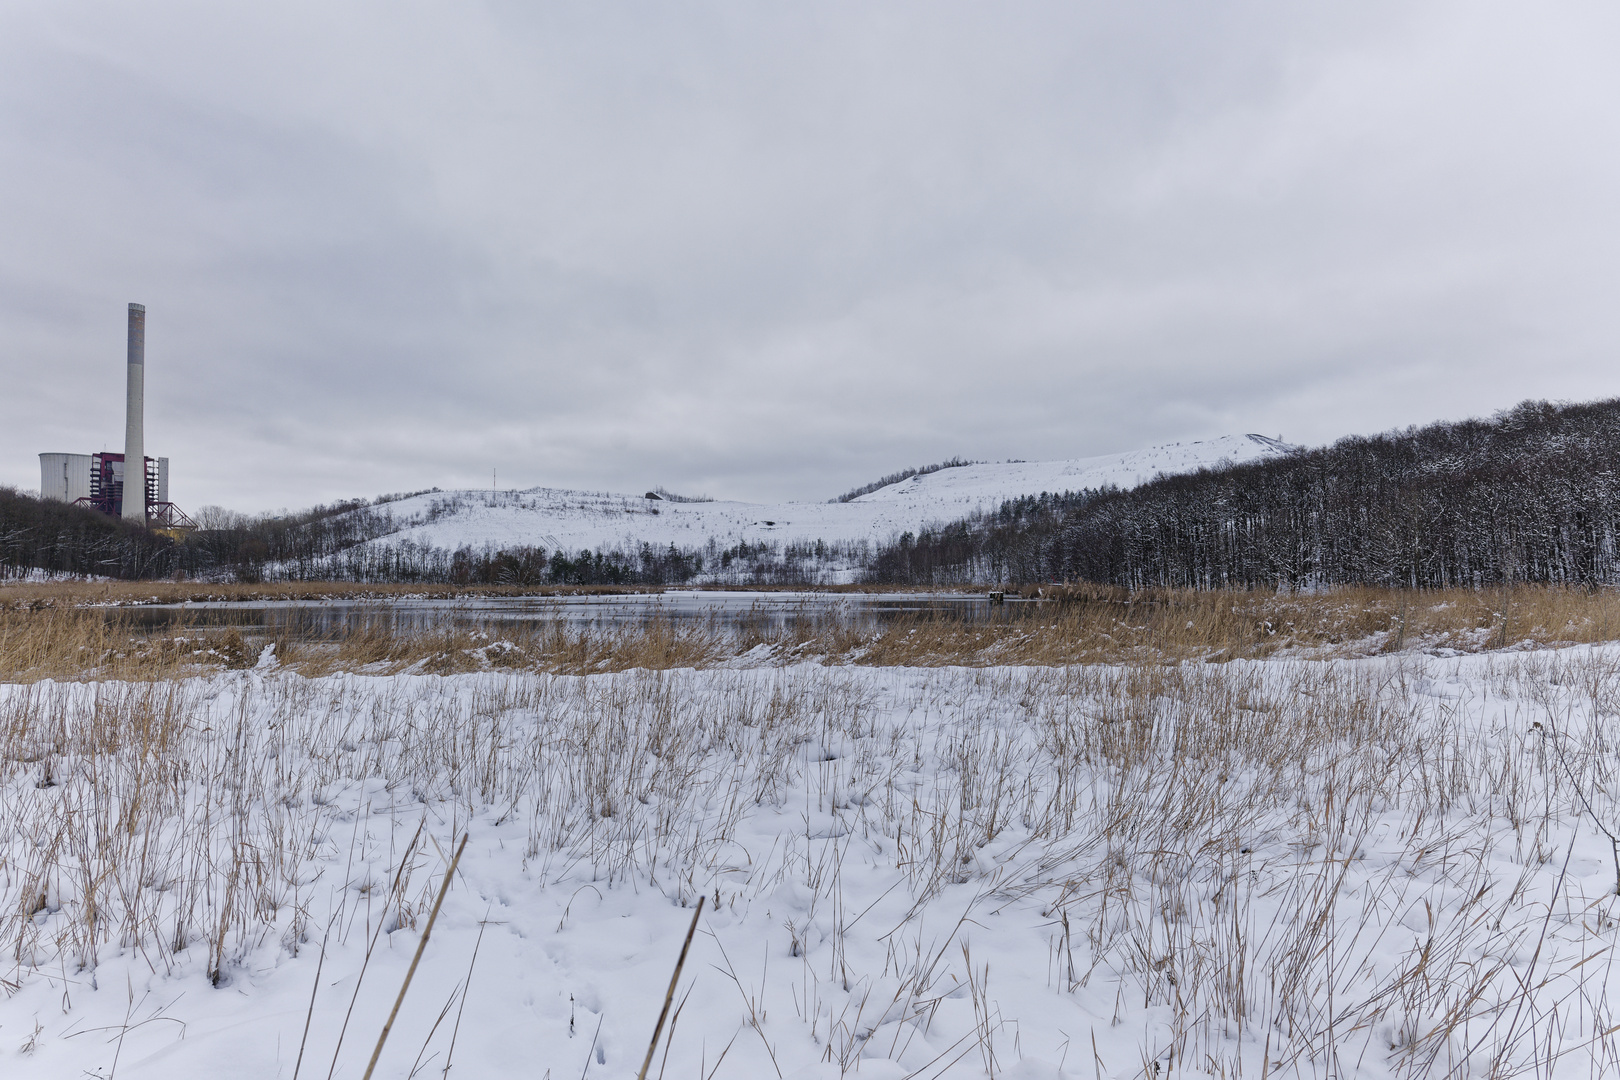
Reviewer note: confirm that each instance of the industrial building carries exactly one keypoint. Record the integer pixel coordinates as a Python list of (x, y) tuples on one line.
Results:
[(99, 480)]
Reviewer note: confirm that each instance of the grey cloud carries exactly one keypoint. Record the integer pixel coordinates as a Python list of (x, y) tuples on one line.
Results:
[(771, 251)]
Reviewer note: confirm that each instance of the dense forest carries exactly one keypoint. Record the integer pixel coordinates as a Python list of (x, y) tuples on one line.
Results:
[(54, 536), (1532, 494)]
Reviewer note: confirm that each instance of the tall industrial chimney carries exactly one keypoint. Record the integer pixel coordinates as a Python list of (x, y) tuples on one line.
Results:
[(134, 421)]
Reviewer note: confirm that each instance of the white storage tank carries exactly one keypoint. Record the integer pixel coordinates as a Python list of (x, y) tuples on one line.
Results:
[(64, 477)]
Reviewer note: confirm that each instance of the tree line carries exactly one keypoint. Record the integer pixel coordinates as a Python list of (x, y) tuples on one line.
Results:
[(904, 474), (1531, 494), (42, 534)]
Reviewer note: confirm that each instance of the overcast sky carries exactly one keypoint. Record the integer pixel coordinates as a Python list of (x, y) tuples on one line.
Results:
[(771, 251)]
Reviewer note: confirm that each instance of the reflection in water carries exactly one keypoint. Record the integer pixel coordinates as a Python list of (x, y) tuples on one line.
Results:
[(318, 619)]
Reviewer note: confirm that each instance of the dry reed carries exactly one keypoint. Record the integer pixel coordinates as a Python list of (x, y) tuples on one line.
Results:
[(1070, 626)]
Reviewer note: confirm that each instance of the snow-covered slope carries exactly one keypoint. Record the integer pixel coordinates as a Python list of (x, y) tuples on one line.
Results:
[(571, 520), (954, 493)]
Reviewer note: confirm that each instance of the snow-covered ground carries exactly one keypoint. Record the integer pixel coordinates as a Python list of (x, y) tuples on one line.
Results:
[(572, 520), (1392, 866)]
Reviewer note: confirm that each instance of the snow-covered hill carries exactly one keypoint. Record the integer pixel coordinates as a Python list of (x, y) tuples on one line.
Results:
[(556, 519)]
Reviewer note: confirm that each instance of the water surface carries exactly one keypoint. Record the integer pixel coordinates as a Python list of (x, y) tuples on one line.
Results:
[(315, 619)]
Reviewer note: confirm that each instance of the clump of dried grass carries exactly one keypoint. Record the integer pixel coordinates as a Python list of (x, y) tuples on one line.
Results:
[(1075, 625), (1104, 622), (67, 643), (659, 643)]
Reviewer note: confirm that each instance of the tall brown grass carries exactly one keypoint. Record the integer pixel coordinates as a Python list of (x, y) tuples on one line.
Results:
[(1067, 626)]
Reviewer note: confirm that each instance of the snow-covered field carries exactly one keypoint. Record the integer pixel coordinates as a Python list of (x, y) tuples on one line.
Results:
[(571, 520), (1391, 866)]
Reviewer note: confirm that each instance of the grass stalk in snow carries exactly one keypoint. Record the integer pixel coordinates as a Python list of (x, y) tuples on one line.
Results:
[(410, 972), (669, 995), (314, 989), (466, 986)]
